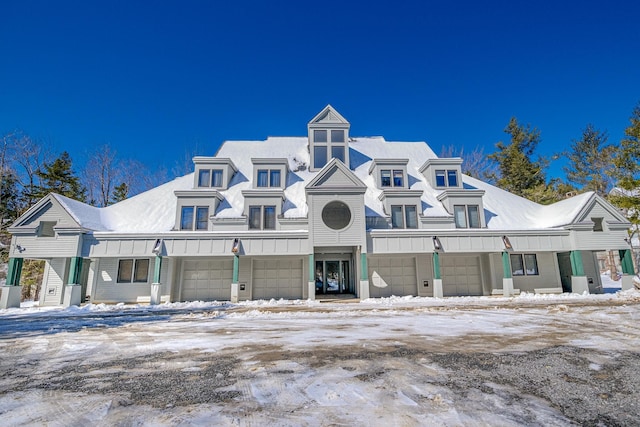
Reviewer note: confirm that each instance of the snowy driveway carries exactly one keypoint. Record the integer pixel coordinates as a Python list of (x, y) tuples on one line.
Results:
[(559, 360)]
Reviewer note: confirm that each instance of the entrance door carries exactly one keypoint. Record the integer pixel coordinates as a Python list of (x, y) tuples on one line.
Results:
[(564, 265), (333, 277)]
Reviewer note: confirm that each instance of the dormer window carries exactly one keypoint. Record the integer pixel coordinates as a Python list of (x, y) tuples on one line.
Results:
[(268, 178), (213, 172), (210, 178), (328, 136), (386, 176), (446, 178)]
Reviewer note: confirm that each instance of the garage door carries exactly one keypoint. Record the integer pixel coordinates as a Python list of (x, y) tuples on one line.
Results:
[(207, 280), (392, 276), (277, 278), (461, 275)]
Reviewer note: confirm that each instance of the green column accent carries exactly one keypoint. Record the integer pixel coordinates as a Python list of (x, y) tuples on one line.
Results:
[(157, 268), (364, 266), (436, 266), (626, 261), (506, 265), (312, 268), (74, 270), (236, 268), (577, 269), (14, 272)]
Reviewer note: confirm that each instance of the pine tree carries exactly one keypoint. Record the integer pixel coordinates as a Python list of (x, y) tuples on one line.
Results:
[(120, 192), (9, 195), (590, 162), (518, 172), (58, 177)]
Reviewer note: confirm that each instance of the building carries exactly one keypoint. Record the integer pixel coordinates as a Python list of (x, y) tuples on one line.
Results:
[(307, 217)]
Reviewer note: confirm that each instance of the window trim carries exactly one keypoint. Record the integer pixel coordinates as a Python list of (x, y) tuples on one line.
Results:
[(328, 145), (134, 270), (446, 176), (404, 216), (467, 215), (194, 218), (261, 211), (523, 259), (266, 178)]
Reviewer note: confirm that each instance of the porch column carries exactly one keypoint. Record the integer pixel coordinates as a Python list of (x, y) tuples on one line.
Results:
[(507, 278), (73, 290), (234, 281), (364, 277), (12, 291), (626, 262), (579, 282), (156, 285), (311, 284), (437, 278)]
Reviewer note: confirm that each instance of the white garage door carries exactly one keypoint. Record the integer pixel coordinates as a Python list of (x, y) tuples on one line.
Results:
[(277, 278), (461, 275), (392, 276), (207, 280)]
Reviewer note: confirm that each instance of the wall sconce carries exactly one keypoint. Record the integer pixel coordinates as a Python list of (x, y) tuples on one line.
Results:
[(157, 247), (628, 240), (507, 243), (436, 244), (20, 249), (236, 246)]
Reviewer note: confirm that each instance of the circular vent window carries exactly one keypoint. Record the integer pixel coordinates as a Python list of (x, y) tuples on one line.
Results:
[(336, 215)]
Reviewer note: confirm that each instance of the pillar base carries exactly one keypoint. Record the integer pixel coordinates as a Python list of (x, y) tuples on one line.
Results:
[(438, 291), (507, 287), (364, 290), (627, 282), (579, 284), (311, 290), (234, 292), (155, 293), (11, 296), (72, 295)]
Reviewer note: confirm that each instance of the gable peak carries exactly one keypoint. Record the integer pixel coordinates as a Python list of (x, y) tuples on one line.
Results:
[(328, 115)]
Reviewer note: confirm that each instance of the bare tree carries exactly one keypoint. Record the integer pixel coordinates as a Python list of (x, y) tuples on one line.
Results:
[(475, 163), (101, 174)]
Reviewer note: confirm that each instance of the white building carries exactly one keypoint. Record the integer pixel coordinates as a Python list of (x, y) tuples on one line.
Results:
[(307, 217)]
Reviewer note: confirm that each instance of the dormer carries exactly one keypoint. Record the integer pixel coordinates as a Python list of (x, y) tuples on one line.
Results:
[(390, 174), (213, 172), (270, 173), (443, 173), (328, 138)]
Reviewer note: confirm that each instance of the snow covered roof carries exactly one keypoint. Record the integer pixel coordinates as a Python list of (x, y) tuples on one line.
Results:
[(155, 210)]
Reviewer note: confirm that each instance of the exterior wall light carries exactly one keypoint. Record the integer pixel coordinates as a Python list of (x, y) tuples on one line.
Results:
[(507, 243), (235, 249), (20, 249), (628, 240), (436, 243), (157, 247)]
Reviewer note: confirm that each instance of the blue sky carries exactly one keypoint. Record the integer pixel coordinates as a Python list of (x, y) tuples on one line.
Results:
[(160, 79)]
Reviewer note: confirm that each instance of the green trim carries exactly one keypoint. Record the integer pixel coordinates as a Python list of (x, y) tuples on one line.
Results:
[(14, 272), (577, 269), (75, 268), (506, 265), (436, 266), (236, 268), (626, 262), (157, 269), (364, 274), (312, 268)]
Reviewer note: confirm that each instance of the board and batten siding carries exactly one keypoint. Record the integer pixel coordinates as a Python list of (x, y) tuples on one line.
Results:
[(107, 288)]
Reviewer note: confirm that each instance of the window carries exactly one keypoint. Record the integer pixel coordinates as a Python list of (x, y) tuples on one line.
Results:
[(336, 215), (262, 217), (204, 178), (466, 216), (404, 216), (597, 224), (385, 178), (133, 270), (446, 178), (398, 178), (268, 178), (319, 156), (526, 264), (337, 151), (320, 135), (199, 222), (386, 181), (46, 229), (337, 135), (328, 143), (216, 178)]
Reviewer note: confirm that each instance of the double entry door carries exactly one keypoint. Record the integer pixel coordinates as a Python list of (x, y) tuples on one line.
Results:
[(334, 276)]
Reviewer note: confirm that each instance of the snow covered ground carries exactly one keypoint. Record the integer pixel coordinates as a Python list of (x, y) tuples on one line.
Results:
[(527, 360)]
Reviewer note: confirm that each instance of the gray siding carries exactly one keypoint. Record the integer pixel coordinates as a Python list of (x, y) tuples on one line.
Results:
[(64, 245), (353, 235), (54, 280), (108, 290)]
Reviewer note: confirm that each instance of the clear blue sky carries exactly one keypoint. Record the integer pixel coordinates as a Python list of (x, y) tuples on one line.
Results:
[(157, 78)]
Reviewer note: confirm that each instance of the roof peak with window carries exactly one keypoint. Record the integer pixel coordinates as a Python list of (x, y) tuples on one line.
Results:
[(328, 138)]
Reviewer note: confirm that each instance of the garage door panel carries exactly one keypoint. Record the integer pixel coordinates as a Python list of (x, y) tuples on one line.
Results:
[(399, 274), (206, 280), (461, 275), (277, 279)]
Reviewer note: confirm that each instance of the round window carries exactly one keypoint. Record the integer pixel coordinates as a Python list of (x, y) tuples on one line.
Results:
[(336, 215)]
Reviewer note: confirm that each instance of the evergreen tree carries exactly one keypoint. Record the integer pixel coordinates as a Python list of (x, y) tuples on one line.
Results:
[(58, 177), (590, 162), (120, 192), (517, 171), (626, 163), (9, 195)]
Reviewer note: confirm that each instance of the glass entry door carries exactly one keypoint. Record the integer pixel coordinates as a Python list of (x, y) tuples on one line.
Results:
[(333, 277)]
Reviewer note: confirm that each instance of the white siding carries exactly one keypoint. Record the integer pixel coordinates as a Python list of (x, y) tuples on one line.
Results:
[(397, 272), (108, 290), (54, 281), (353, 235), (65, 245)]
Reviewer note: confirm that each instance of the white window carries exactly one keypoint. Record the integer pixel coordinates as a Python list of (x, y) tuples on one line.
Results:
[(268, 178), (199, 221), (404, 216), (466, 216), (446, 178), (210, 178), (526, 264), (216, 178), (326, 144), (391, 178), (262, 217), (133, 270)]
